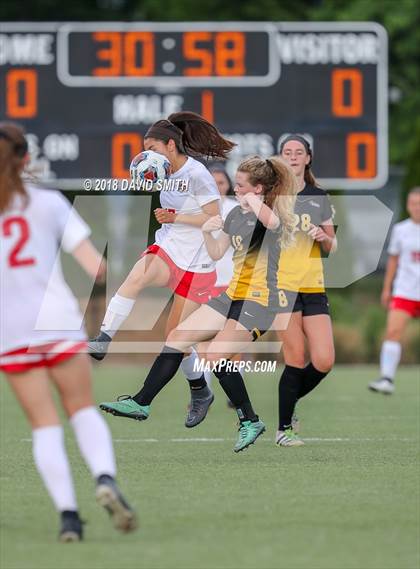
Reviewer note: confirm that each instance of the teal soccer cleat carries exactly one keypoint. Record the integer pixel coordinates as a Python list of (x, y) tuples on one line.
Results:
[(248, 433), (125, 406)]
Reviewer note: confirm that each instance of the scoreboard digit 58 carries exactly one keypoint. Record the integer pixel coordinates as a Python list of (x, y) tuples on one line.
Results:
[(87, 92)]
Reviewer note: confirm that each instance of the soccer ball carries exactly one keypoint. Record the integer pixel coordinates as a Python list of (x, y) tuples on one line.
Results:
[(148, 170)]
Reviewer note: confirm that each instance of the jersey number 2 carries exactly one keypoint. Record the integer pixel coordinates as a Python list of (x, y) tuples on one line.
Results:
[(15, 260)]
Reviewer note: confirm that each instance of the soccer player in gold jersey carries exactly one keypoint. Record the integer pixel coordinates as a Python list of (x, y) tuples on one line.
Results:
[(303, 302)]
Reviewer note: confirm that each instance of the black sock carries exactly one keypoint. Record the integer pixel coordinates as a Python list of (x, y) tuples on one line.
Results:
[(311, 378), (197, 384), (105, 479), (233, 385), (162, 371), (289, 386), (70, 514)]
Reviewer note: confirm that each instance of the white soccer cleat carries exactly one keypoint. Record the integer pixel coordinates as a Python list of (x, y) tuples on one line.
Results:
[(288, 438), (382, 385)]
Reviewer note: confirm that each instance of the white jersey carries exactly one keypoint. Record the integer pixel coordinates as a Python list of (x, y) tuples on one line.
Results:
[(224, 267), (184, 243), (405, 242), (36, 305)]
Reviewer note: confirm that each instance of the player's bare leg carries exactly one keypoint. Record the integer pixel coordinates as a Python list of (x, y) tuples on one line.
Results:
[(200, 325), (149, 271), (73, 381), (319, 334), (32, 390), (390, 352)]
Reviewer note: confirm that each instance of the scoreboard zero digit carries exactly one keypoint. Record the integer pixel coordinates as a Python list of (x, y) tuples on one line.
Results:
[(87, 92)]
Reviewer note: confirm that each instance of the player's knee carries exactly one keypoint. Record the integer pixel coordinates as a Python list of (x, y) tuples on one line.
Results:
[(393, 334), (294, 358), (178, 340), (135, 280), (173, 336), (323, 362), (216, 358)]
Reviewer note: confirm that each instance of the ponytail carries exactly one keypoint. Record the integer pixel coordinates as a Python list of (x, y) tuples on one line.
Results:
[(193, 135), (310, 178), (282, 197), (13, 149)]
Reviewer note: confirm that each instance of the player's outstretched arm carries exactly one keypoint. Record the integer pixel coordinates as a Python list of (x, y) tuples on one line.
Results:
[(209, 210), (90, 260)]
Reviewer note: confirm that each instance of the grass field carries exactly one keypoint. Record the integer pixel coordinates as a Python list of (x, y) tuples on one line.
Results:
[(348, 499)]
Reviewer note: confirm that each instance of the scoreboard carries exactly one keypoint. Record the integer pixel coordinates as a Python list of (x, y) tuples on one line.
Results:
[(87, 92)]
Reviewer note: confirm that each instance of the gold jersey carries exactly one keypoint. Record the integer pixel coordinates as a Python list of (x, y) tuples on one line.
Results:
[(300, 267), (254, 265)]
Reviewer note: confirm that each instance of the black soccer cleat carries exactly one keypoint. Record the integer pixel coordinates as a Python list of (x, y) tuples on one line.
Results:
[(98, 347), (198, 409), (109, 496), (71, 527)]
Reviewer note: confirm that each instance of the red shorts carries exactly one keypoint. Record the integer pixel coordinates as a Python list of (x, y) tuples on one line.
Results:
[(412, 307), (194, 286), (217, 290), (47, 355)]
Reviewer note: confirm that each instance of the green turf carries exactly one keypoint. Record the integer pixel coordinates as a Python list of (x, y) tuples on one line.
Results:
[(338, 504)]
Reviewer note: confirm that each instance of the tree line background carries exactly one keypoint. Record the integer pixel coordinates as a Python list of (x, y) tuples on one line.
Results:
[(401, 18)]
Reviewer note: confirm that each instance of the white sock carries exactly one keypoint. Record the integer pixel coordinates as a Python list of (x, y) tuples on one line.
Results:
[(94, 441), (390, 358), (208, 376), (188, 368), (53, 466), (118, 310)]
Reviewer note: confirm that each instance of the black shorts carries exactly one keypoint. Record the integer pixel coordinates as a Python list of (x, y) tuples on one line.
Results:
[(252, 315), (309, 303)]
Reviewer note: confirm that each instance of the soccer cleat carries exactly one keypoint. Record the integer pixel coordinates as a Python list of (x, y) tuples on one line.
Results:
[(125, 406), (383, 385), (288, 438), (248, 433), (98, 347), (198, 410), (71, 527), (108, 496)]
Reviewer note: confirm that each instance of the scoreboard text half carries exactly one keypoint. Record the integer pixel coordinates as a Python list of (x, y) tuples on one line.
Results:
[(87, 92)]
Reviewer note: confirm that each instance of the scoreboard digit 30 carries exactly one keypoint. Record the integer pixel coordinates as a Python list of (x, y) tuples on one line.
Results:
[(87, 92)]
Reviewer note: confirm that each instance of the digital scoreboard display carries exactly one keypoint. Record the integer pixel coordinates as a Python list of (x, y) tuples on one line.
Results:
[(87, 92)]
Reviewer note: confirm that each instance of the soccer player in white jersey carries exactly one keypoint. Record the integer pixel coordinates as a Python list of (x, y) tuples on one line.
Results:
[(42, 339), (403, 277), (224, 267), (178, 259)]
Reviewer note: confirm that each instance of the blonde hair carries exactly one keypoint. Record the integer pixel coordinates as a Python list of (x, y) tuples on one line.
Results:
[(13, 148), (279, 188)]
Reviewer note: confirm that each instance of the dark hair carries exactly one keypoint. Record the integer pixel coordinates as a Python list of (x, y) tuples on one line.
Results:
[(279, 186), (219, 168), (308, 176), (13, 149), (192, 134)]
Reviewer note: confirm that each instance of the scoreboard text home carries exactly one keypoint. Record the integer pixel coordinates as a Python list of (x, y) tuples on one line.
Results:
[(87, 92)]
